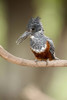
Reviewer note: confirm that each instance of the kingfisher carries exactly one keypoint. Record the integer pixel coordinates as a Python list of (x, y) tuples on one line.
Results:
[(41, 46)]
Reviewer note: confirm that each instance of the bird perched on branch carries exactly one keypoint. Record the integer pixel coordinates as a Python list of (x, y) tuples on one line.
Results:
[(41, 46)]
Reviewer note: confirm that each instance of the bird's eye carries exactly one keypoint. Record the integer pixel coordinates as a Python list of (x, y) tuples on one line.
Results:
[(33, 29)]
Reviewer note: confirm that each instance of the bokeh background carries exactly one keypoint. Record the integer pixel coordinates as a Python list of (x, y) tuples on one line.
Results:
[(14, 16)]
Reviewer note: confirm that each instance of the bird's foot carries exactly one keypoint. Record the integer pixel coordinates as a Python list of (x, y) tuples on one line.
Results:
[(47, 62), (36, 60)]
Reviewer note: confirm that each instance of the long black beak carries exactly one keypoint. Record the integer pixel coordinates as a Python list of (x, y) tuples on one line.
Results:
[(23, 37)]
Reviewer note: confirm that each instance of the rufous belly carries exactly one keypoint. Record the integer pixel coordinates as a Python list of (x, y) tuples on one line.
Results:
[(45, 54)]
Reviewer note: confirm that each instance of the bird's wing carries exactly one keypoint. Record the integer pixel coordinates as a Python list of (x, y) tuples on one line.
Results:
[(52, 49)]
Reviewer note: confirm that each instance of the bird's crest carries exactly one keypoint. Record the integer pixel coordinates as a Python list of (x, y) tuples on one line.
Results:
[(33, 21)]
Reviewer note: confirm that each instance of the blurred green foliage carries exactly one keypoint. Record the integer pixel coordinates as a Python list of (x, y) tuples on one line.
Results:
[(3, 23), (52, 80), (58, 86), (50, 12)]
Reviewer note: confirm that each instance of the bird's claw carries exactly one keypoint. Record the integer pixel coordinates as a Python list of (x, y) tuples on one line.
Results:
[(36, 60), (46, 62)]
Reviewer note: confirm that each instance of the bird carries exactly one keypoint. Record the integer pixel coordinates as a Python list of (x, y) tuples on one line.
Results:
[(41, 45)]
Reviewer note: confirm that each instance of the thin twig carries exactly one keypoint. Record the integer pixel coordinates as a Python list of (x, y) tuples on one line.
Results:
[(23, 62)]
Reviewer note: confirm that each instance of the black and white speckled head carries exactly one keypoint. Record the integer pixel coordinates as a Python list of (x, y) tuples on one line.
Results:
[(34, 26)]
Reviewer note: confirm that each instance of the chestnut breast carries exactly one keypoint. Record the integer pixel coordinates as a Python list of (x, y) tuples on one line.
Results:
[(45, 54)]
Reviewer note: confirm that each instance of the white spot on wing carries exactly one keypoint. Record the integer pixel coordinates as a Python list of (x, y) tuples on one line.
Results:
[(32, 37)]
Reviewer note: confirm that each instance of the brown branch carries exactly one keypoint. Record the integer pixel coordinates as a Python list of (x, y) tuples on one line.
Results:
[(23, 62)]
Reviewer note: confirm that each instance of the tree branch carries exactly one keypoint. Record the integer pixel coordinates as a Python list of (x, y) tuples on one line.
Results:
[(23, 62)]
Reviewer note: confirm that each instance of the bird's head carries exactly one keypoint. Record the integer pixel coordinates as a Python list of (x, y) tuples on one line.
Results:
[(34, 25)]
